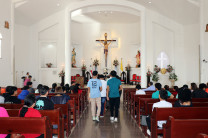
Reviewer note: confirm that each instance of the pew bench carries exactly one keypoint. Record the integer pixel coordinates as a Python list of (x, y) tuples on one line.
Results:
[(184, 128), (26, 125)]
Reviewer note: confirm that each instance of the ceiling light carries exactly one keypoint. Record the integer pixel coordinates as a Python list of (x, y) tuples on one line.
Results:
[(149, 2), (58, 4)]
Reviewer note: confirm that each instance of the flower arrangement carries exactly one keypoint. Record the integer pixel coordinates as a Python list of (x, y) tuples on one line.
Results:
[(149, 73), (156, 69), (62, 73), (128, 67), (49, 65), (169, 68), (173, 76), (155, 77), (84, 67), (96, 62), (115, 62)]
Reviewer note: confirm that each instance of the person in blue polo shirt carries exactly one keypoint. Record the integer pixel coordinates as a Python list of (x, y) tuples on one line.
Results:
[(113, 88), (94, 89), (158, 87)]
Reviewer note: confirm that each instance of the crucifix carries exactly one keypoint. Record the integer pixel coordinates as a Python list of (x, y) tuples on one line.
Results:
[(106, 44)]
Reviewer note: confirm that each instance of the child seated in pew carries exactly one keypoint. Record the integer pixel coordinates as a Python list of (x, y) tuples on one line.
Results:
[(39, 86), (76, 89), (184, 99), (61, 97), (11, 95), (163, 96), (3, 113), (28, 111), (175, 90), (54, 85), (31, 89), (155, 95), (139, 90), (44, 103), (24, 93)]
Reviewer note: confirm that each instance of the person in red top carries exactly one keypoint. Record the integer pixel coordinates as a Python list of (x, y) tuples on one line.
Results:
[(28, 111)]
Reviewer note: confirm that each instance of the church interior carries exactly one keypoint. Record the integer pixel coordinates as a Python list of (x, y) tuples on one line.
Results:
[(143, 41)]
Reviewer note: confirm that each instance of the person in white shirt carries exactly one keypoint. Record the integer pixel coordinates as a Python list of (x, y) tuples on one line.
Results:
[(103, 94), (138, 90), (1, 99), (163, 96), (150, 88)]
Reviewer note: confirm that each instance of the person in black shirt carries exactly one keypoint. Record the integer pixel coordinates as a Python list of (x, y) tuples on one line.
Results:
[(31, 89), (184, 99), (43, 103), (200, 93), (11, 95)]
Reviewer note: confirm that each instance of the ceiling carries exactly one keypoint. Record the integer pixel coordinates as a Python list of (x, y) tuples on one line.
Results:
[(185, 12)]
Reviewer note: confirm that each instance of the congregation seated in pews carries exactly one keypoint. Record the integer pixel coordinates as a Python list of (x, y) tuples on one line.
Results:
[(61, 108), (191, 106)]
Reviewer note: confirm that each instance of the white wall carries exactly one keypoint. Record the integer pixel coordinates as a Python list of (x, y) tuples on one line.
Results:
[(162, 34), (128, 36), (6, 73), (204, 40), (22, 52), (191, 52)]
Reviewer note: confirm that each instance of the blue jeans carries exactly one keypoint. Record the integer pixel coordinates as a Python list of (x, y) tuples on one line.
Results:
[(103, 99)]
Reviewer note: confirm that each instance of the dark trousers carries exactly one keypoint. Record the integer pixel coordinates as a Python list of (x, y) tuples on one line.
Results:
[(114, 105), (148, 119), (103, 99)]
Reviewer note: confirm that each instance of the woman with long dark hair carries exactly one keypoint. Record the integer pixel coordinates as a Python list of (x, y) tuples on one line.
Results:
[(28, 111)]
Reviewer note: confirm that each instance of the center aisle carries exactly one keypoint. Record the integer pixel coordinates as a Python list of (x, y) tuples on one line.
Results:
[(125, 128)]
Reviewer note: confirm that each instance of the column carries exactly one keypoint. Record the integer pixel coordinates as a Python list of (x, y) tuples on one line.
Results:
[(67, 47), (143, 51)]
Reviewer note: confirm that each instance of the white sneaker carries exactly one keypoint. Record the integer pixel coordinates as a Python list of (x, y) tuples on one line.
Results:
[(101, 116), (148, 132), (112, 118), (93, 118), (116, 119), (97, 119)]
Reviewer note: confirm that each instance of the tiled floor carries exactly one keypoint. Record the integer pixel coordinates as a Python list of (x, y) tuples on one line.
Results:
[(125, 128)]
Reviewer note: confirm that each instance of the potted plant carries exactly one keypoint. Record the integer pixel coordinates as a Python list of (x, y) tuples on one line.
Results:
[(49, 65), (173, 77), (155, 77), (62, 75), (169, 68), (149, 74), (96, 63), (83, 68), (156, 69), (115, 63)]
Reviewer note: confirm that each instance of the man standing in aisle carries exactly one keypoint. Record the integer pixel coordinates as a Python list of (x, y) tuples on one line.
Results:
[(113, 88), (94, 88)]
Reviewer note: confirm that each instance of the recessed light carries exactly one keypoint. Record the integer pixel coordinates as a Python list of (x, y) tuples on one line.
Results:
[(149, 2), (58, 4)]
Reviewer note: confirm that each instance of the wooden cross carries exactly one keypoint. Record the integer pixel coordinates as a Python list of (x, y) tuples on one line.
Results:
[(106, 43)]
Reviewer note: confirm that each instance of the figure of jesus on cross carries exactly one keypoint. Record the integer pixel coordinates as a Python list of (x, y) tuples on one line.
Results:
[(106, 44)]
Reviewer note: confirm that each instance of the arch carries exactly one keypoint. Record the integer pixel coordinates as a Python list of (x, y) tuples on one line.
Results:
[(124, 3)]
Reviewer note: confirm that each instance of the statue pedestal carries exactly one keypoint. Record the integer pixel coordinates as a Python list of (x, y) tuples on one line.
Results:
[(164, 79)]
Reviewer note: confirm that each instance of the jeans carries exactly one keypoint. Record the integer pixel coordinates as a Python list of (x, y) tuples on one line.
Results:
[(94, 102), (103, 99), (114, 105)]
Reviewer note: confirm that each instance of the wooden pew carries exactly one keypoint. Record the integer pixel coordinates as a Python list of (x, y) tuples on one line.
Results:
[(26, 125), (201, 135), (125, 95), (55, 117), (11, 106), (184, 128), (159, 114)]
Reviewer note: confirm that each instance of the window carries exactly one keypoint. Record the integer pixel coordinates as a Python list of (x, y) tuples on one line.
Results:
[(162, 60), (0, 43)]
